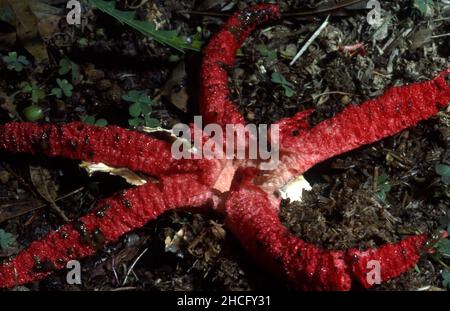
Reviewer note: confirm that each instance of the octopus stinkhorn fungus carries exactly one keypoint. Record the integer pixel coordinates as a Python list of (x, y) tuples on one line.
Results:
[(239, 189)]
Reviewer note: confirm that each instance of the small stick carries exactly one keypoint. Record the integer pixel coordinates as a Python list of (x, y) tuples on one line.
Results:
[(132, 266), (440, 36), (310, 41)]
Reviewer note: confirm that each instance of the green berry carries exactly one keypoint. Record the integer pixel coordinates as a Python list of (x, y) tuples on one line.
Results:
[(33, 113)]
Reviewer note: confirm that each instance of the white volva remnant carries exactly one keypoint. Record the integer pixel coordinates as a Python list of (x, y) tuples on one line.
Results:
[(293, 190)]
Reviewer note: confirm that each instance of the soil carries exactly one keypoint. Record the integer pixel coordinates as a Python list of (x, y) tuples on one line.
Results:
[(367, 197)]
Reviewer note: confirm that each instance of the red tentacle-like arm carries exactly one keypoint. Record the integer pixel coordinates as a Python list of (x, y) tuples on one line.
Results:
[(394, 111), (253, 219), (250, 210), (111, 145), (112, 218), (220, 55)]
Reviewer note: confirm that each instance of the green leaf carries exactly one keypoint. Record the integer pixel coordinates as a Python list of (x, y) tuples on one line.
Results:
[(146, 109), (288, 91), (383, 186), (10, 58), (277, 78), (423, 5), (15, 62), (151, 122), (101, 122), (135, 110), (166, 37), (446, 279), (444, 171), (65, 86), (6, 239), (89, 120), (135, 122), (144, 99), (6, 14), (26, 87), (21, 59), (271, 55), (132, 96), (65, 66), (57, 92), (443, 247), (36, 95)]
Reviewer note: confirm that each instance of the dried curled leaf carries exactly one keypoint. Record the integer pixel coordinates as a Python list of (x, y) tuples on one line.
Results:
[(131, 177)]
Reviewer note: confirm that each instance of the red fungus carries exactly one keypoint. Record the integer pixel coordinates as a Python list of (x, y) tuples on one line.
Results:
[(250, 208)]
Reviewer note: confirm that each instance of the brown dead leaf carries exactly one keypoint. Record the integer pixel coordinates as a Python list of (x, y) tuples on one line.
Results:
[(7, 104), (27, 30), (10, 210), (49, 17), (46, 187), (175, 88), (48, 27)]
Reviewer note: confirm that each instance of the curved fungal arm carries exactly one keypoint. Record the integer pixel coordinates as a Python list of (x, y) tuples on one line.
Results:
[(397, 109), (220, 55), (111, 145), (251, 216), (112, 218)]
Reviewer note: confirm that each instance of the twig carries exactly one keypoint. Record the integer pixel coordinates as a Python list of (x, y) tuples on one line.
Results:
[(310, 41), (132, 266), (331, 93), (113, 264), (440, 36)]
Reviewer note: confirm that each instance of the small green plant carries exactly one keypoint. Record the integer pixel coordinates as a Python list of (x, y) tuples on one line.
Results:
[(6, 14), (279, 79), (140, 109), (92, 121), (64, 88), (270, 55), (37, 94), (442, 249), (383, 186), (15, 62), (423, 5), (443, 170), (6, 239), (66, 66), (446, 279)]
